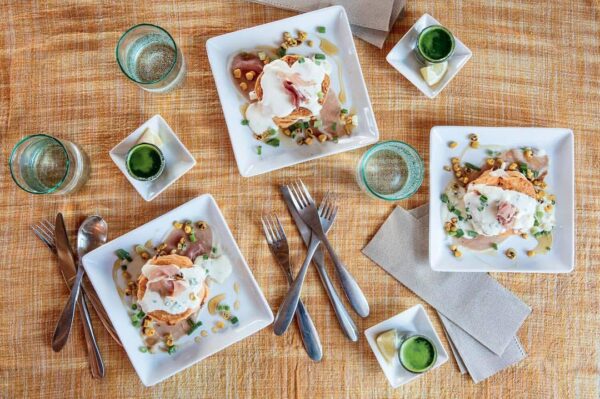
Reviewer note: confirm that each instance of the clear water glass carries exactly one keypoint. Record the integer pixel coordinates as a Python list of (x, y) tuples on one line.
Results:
[(148, 55), (42, 164), (390, 170)]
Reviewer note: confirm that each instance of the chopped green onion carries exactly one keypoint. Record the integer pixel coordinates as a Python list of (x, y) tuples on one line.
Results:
[(452, 233), (317, 62), (214, 250), (318, 123), (281, 51), (480, 208), (459, 233), (472, 233), (305, 125), (271, 132), (134, 318), (495, 246), (223, 307), (319, 56), (293, 135), (344, 111), (234, 320), (321, 29), (444, 198), (274, 142), (300, 60), (523, 167), (245, 122), (140, 314), (143, 349), (193, 326), (335, 139), (483, 198), (259, 150), (136, 323), (171, 350), (334, 126), (470, 165), (193, 237), (320, 94), (205, 256), (122, 254), (134, 306)]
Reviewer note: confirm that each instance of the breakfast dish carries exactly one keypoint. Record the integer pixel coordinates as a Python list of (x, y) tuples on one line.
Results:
[(177, 290), (501, 199), (292, 91)]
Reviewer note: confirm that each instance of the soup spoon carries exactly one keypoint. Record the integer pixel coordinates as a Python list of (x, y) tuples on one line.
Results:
[(92, 234)]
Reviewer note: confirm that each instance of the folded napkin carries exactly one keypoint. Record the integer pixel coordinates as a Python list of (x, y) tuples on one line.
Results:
[(370, 20), (480, 316)]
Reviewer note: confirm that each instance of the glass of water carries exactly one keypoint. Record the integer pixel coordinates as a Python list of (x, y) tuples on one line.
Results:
[(148, 55), (42, 164), (390, 170)]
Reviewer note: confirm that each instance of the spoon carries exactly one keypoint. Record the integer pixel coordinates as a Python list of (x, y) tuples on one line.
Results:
[(92, 233)]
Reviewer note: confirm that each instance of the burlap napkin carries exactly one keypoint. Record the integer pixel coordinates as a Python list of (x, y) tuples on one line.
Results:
[(480, 316), (370, 20)]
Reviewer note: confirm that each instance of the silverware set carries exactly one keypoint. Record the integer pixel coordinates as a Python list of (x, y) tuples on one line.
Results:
[(314, 224), (91, 234)]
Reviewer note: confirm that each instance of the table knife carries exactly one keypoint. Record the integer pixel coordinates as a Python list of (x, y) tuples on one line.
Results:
[(341, 313), (66, 263)]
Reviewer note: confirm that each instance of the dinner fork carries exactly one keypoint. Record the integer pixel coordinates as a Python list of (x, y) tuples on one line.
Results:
[(288, 307), (308, 212), (45, 232), (278, 244)]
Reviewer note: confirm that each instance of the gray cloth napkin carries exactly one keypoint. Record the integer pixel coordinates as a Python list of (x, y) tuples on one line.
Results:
[(370, 20), (481, 324)]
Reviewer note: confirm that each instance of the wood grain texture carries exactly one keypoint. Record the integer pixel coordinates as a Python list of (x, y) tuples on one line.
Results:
[(534, 64)]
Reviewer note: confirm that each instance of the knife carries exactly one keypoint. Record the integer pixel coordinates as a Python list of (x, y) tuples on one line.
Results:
[(66, 265), (341, 313)]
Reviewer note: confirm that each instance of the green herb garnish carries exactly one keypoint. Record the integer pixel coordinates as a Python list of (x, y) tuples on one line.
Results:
[(135, 323), (123, 255), (471, 166), (214, 250), (495, 246), (483, 198), (234, 320), (205, 256), (319, 56), (140, 314), (344, 111), (318, 123), (472, 233), (193, 326), (245, 122), (305, 125), (143, 349), (274, 142), (271, 132), (320, 94), (444, 198), (134, 307), (281, 52), (523, 168), (335, 139), (259, 150), (301, 60), (459, 233), (171, 350), (334, 126), (192, 237), (321, 29)]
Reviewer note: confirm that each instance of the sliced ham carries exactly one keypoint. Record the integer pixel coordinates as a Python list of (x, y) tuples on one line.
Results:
[(330, 114), (247, 62), (164, 279), (201, 246), (536, 162), (294, 93), (506, 213)]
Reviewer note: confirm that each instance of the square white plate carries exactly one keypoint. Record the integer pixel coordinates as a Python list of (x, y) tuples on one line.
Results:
[(177, 158), (558, 143), (403, 58), (414, 320), (254, 313), (221, 49)]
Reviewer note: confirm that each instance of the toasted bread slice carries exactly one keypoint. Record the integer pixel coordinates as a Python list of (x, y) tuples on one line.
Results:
[(183, 262), (299, 113)]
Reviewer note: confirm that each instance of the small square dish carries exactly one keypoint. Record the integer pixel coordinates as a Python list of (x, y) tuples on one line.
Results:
[(501, 199), (210, 303), (178, 159), (413, 320), (402, 57), (323, 68)]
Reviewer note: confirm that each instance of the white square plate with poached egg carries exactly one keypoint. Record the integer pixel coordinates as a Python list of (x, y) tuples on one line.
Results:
[(222, 49), (254, 312), (558, 144)]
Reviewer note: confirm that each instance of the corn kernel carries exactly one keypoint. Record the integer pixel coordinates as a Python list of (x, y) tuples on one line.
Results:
[(322, 138), (474, 144), (531, 253), (490, 161), (513, 166), (453, 144), (250, 75), (244, 86), (457, 254), (454, 160), (237, 73), (453, 248)]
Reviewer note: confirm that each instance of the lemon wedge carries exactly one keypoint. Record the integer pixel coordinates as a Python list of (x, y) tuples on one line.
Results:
[(434, 73), (386, 342), (150, 136)]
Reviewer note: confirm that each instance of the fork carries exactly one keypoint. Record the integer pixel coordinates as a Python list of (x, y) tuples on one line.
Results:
[(45, 232), (288, 307), (308, 212), (278, 244)]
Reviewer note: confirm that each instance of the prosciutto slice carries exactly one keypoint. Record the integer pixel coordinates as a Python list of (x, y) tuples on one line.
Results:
[(247, 62), (294, 93), (165, 280), (506, 213)]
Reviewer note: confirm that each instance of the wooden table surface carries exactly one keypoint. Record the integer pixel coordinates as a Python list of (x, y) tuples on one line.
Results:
[(533, 65)]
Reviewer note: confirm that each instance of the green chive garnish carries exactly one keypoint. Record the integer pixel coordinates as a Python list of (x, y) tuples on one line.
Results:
[(319, 56), (259, 150), (471, 166), (214, 250), (122, 254), (271, 132), (472, 233), (300, 60), (143, 349), (444, 198), (193, 326), (344, 111), (136, 323), (134, 306), (205, 256), (171, 350), (274, 142), (459, 233), (335, 139), (321, 29), (483, 198), (245, 122), (281, 52), (234, 320), (334, 126), (495, 246), (193, 237)]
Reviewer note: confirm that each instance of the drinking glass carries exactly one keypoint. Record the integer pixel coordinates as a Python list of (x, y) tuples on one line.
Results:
[(390, 170), (42, 164), (148, 55), (417, 353)]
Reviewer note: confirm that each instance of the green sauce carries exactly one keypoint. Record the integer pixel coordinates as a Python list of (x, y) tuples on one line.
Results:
[(435, 43), (417, 354), (145, 162)]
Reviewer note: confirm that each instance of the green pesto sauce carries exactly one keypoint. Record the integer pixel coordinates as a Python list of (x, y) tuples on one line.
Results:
[(145, 161), (417, 354)]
